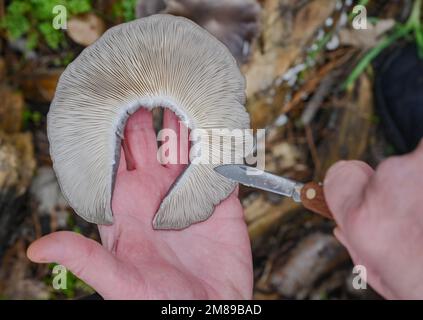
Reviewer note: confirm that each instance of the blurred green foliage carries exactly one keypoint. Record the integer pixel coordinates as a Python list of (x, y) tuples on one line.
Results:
[(412, 30), (29, 116), (32, 19), (125, 9), (74, 285)]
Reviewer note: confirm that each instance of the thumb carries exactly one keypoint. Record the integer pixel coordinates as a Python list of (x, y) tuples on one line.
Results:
[(344, 188), (86, 258)]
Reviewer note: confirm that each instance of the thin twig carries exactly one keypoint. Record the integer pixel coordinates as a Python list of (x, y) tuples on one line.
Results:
[(319, 96), (311, 84), (313, 149)]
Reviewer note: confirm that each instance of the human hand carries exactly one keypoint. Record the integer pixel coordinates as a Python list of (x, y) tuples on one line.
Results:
[(208, 260), (380, 220)]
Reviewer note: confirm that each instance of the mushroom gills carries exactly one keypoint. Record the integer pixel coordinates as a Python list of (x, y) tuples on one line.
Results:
[(158, 61)]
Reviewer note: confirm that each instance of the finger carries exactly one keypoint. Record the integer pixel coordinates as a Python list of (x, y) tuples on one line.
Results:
[(129, 158), (340, 236), (122, 160), (344, 188), (86, 258), (230, 207), (235, 192), (172, 122), (140, 139)]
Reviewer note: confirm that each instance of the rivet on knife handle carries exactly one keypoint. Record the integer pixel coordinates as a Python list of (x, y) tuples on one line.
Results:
[(313, 198)]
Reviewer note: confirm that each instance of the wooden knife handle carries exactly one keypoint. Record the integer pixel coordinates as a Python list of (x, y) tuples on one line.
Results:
[(313, 198)]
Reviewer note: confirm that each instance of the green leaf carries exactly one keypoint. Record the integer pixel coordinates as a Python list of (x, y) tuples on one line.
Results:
[(419, 41), (43, 9), (52, 36), (124, 9), (15, 21), (32, 40), (128, 7), (78, 6), (18, 7), (16, 26)]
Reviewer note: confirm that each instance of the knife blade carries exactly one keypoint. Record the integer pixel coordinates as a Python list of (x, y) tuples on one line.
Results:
[(260, 179), (310, 194)]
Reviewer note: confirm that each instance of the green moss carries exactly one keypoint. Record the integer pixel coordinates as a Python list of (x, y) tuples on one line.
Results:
[(78, 6), (32, 19), (52, 36)]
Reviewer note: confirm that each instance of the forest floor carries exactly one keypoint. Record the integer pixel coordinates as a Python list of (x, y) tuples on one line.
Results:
[(295, 67)]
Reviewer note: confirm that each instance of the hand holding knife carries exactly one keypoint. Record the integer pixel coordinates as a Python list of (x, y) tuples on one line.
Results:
[(310, 194)]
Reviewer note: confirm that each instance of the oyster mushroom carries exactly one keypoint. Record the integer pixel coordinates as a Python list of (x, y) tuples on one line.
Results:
[(158, 61)]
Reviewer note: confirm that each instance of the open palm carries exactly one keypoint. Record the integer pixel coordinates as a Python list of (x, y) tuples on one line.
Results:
[(211, 259)]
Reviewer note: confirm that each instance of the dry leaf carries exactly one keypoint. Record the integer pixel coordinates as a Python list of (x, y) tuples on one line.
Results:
[(283, 40), (287, 154), (40, 85), (310, 17), (85, 29), (16, 280), (256, 209), (366, 38), (17, 165), (314, 256), (2, 69), (351, 137), (11, 108), (17, 162), (269, 216)]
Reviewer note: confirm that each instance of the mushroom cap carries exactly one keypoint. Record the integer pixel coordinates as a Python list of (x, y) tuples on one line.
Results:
[(158, 61)]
